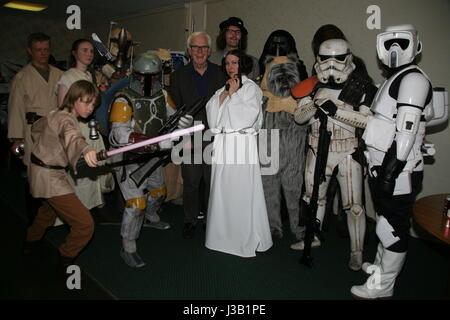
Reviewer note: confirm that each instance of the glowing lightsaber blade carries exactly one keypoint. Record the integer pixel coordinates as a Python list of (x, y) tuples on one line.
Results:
[(102, 155)]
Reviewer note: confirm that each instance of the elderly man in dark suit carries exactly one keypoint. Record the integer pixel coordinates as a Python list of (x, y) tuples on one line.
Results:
[(199, 78)]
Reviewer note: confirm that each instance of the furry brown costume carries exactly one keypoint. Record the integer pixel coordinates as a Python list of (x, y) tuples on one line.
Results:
[(281, 74)]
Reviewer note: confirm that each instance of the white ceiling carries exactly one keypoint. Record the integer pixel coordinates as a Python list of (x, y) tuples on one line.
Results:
[(91, 9)]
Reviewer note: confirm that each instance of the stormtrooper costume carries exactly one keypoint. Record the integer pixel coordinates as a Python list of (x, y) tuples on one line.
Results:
[(137, 113), (394, 136), (334, 68)]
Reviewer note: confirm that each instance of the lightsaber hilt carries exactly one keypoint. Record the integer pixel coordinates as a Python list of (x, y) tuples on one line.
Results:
[(102, 155)]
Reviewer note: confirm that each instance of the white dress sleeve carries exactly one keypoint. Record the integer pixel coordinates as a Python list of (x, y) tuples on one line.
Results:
[(244, 106)]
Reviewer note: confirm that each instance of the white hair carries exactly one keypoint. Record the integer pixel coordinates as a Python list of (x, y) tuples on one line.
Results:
[(197, 34)]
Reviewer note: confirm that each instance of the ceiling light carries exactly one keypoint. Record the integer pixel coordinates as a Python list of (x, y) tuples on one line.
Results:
[(25, 6)]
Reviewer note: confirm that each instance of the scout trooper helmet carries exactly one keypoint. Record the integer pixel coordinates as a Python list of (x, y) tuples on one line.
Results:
[(146, 77), (334, 63), (398, 45)]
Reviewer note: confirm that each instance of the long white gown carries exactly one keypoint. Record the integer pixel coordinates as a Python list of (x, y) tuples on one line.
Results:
[(237, 215)]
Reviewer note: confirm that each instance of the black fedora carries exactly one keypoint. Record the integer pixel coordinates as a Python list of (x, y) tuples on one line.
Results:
[(233, 21)]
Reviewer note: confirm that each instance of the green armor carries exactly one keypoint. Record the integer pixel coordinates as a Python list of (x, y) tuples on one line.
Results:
[(149, 113)]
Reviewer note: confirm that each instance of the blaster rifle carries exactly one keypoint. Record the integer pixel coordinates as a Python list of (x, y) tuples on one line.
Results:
[(142, 172), (312, 224), (172, 122)]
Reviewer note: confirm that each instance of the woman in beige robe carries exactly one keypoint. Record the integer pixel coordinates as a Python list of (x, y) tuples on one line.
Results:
[(89, 184)]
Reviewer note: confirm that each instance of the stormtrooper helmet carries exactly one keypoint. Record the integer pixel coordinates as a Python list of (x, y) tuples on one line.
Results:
[(146, 77), (334, 63), (398, 45)]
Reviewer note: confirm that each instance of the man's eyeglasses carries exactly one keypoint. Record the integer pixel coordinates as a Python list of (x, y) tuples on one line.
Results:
[(198, 48), (236, 32)]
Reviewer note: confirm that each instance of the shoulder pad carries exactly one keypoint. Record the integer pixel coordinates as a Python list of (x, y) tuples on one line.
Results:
[(121, 111)]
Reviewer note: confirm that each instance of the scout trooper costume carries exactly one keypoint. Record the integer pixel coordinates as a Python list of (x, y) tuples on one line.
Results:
[(394, 136), (334, 66), (137, 113)]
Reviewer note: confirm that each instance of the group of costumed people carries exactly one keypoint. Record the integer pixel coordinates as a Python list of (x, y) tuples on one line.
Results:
[(333, 127), (335, 105)]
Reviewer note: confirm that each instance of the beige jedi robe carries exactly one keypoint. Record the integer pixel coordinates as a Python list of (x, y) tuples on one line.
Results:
[(30, 93), (57, 141)]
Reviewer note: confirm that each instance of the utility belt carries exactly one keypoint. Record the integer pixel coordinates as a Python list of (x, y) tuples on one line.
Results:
[(38, 162), (336, 145), (251, 131), (32, 117)]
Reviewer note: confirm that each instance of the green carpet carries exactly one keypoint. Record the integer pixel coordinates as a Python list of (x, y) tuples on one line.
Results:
[(179, 269)]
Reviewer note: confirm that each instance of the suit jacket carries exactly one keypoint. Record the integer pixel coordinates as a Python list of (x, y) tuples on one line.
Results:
[(183, 89)]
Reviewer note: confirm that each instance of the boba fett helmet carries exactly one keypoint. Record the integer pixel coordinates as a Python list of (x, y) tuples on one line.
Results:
[(146, 76)]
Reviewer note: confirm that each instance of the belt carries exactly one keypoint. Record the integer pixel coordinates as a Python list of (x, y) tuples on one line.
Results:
[(32, 117), (38, 162), (251, 131), (336, 145)]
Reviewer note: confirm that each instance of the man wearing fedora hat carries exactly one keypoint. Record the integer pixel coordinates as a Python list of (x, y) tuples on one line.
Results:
[(233, 35)]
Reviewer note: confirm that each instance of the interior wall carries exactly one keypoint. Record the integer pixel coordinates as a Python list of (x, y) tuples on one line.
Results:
[(196, 16), (162, 28), (15, 30), (159, 29)]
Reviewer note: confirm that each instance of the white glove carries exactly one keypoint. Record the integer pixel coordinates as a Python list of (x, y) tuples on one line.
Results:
[(166, 144), (185, 121)]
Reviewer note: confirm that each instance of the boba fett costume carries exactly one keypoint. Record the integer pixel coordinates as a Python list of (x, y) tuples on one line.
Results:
[(137, 113)]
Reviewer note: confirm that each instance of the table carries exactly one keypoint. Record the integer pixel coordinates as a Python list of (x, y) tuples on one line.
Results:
[(429, 214)]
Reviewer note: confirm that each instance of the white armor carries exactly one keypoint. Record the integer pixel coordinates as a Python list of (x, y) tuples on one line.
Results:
[(343, 144), (394, 137), (401, 119)]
